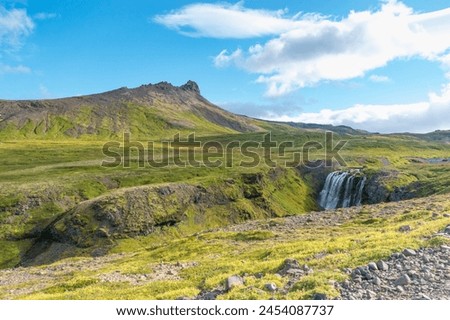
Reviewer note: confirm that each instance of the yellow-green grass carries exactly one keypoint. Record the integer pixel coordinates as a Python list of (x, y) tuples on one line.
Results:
[(370, 236), (66, 171)]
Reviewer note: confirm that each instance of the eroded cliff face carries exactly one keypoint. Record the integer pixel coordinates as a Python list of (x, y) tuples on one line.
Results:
[(381, 187), (92, 226)]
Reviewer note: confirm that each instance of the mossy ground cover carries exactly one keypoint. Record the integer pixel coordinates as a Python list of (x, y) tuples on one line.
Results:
[(65, 171), (217, 254)]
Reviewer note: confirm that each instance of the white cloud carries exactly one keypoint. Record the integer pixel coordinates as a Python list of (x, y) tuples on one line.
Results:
[(445, 61), (308, 49), (223, 58), (45, 16), (15, 24), (226, 21), (378, 78), (20, 69), (417, 117)]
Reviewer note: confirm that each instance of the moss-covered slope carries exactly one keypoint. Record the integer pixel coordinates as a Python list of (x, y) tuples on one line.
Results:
[(93, 226)]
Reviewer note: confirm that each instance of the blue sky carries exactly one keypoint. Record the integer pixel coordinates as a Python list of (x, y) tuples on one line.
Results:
[(381, 66)]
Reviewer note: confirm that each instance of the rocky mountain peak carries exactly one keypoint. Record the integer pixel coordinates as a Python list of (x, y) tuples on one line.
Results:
[(191, 86), (163, 85)]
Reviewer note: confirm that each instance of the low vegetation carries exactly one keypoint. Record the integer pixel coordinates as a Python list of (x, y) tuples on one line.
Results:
[(329, 243), (176, 231)]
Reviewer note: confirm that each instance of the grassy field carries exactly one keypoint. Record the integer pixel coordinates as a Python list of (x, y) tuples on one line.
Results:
[(42, 179), (338, 240)]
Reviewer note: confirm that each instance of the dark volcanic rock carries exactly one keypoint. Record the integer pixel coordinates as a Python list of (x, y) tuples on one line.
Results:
[(447, 230), (376, 191), (383, 266), (191, 86), (290, 266), (404, 228), (409, 252), (271, 287), (319, 296)]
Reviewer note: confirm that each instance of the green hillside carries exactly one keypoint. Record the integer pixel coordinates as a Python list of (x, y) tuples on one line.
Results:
[(59, 206), (149, 111)]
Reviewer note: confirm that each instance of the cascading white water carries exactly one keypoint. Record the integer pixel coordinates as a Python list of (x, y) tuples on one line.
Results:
[(342, 189)]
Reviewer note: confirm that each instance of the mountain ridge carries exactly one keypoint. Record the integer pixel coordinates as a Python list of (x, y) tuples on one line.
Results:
[(150, 110)]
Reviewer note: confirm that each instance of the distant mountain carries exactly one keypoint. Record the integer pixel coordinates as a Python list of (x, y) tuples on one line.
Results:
[(328, 127), (147, 111), (438, 135)]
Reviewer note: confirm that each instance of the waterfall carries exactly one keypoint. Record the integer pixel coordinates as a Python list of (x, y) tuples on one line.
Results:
[(342, 189)]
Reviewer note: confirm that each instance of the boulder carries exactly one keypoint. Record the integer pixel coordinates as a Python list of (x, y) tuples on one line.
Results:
[(404, 228), (372, 266), (409, 252), (233, 281), (319, 296), (402, 281), (383, 266), (376, 281), (365, 273), (270, 287), (447, 230), (290, 267)]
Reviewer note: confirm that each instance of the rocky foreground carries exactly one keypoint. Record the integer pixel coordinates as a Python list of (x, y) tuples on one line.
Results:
[(422, 274), (408, 274)]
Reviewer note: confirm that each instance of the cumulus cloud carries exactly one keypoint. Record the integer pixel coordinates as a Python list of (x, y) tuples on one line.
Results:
[(417, 117), (15, 25), (445, 61), (306, 49)]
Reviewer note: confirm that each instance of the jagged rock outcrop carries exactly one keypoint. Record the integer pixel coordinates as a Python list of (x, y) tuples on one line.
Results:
[(315, 177), (376, 189), (191, 86)]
